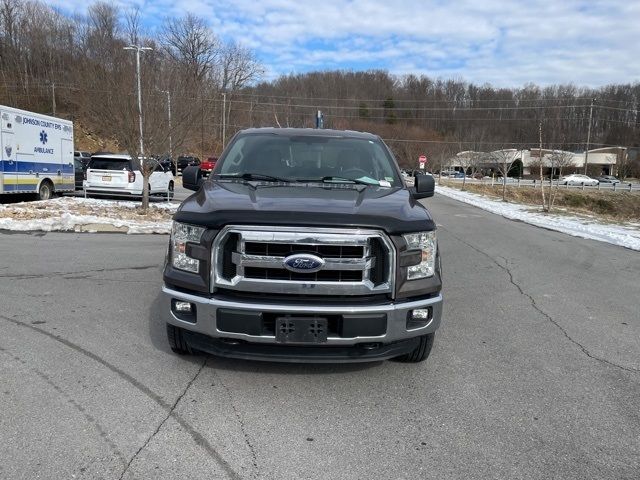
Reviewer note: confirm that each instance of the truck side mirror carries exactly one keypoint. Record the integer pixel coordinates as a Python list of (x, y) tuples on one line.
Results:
[(425, 186), (192, 178)]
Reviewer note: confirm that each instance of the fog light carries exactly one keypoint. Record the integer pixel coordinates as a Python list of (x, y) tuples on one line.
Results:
[(421, 314), (183, 307)]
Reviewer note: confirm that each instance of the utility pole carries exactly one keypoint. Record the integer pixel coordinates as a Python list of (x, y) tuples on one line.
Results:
[(53, 97), (586, 153), (138, 49), (224, 118), (544, 201), (202, 129)]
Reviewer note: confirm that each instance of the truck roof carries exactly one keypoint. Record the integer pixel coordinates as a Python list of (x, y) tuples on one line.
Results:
[(35, 114), (119, 156), (315, 132)]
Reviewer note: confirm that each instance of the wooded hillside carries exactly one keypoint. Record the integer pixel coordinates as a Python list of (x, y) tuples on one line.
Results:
[(80, 62)]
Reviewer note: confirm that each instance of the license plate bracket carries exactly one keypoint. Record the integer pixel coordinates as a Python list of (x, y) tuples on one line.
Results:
[(301, 329)]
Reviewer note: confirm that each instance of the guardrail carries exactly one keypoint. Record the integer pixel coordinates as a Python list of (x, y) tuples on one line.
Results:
[(515, 182)]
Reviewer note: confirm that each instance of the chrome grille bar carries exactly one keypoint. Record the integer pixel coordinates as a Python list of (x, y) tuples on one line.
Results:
[(348, 261), (267, 261)]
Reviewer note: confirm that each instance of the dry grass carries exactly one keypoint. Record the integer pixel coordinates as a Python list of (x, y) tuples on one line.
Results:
[(618, 206)]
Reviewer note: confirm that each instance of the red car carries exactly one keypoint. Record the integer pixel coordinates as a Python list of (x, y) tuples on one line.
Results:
[(208, 165)]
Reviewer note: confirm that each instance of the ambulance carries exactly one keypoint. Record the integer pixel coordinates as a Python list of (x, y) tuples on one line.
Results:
[(36, 153)]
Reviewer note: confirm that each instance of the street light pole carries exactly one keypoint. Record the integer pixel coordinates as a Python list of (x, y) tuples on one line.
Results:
[(586, 153), (169, 119), (138, 49)]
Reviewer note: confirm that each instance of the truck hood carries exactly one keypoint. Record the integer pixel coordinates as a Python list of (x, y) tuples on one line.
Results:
[(218, 204)]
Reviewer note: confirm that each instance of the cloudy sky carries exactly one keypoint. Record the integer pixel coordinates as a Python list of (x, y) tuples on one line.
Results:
[(507, 43)]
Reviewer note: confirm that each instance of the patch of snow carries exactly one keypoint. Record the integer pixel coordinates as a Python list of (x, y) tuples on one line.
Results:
[(90, 214), (624, 236)]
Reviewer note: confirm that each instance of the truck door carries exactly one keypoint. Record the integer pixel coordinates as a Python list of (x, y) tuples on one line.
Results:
[(9, 162)]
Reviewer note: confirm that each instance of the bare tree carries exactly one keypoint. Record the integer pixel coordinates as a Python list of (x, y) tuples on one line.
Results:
[(190, 43), (502, 160), (239, 67), (133, 26), (103, 33), (116, 111), (560, 161), (465, 162), (624, 163), (469, 160), (440, 157)]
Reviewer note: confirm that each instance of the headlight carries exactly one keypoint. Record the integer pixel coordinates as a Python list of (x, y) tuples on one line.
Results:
[(426, 242), (181, 234)]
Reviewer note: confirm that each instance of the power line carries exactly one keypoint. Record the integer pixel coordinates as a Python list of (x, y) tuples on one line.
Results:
[(464, 100), (358, 107), (421, 109)]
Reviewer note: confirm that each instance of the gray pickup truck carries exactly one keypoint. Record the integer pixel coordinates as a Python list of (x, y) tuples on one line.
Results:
[(304, 245)]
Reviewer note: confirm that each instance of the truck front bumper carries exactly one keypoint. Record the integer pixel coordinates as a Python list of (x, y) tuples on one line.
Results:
[(399, 335)]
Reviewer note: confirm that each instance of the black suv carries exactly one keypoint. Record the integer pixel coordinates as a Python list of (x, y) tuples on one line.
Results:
[(304, 245), (185, 161), (80, 162)]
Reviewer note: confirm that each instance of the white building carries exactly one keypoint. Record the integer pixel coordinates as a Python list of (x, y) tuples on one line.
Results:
[(526, 162)]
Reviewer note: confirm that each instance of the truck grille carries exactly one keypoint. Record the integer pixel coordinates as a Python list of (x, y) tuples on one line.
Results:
[(356, 262)]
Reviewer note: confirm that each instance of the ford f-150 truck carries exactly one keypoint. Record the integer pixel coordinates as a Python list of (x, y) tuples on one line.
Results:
[(303, 245)]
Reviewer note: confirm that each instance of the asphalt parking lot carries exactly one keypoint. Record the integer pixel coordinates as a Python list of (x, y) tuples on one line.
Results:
[(535, 372)]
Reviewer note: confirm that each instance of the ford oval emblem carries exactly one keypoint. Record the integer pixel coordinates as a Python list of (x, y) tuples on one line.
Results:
[(303, 263)]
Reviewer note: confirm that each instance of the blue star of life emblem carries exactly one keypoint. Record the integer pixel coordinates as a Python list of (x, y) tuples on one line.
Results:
[(43, 137)]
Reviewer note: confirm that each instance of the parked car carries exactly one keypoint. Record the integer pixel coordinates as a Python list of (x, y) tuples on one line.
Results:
[(119, 174), (208, 165), (80, 162), (79, 169), (608, 179), (408, 177), (577, 179), (167, 163), (185, 161), (457, 175), (448, 173), (83, 157)]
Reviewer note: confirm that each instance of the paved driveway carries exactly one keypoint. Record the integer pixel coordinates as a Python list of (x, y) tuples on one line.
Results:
[(534, 374)]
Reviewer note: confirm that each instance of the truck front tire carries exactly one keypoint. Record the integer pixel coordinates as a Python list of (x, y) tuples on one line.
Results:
[(421, 352), (177, 342)]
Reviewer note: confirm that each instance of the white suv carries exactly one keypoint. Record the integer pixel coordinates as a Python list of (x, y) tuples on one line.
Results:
[(118, 174)]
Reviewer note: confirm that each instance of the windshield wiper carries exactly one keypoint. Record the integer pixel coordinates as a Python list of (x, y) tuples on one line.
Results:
[(253, 176), (331, 178)]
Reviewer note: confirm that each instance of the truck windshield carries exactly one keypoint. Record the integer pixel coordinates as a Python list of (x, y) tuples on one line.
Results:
[(300, 158)]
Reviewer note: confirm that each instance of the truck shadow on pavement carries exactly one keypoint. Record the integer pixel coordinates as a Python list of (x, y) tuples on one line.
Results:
[(158, 337)]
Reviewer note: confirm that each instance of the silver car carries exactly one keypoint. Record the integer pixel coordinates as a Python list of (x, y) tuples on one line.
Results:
[(577, 179)]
